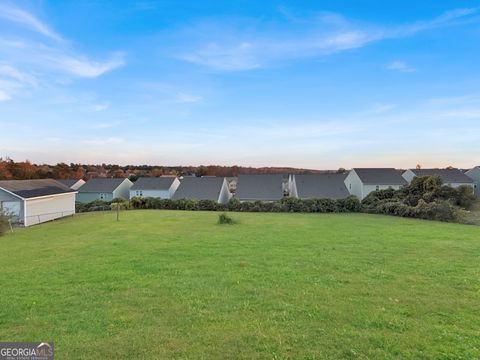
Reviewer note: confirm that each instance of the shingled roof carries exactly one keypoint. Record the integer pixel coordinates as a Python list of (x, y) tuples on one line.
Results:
[(101, 185), (448, 176), (265, 187), (321, 186), (153, 183), (380, 176), (199, 188), (28, 189), (68, 182)]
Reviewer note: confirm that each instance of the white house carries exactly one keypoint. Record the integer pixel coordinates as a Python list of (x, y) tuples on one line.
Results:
[(450, 177), (362, 181), (203, 188), (474, 174), (104, 190), (31, 202), (158, 187), (73, 184)]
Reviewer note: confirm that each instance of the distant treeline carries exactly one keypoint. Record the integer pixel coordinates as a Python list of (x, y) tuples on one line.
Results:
[(10, 169)]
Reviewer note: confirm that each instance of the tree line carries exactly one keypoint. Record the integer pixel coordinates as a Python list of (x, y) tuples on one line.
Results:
[(21, 170)]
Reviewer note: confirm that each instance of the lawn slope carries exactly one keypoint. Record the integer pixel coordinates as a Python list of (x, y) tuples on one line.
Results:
[(166, 284)]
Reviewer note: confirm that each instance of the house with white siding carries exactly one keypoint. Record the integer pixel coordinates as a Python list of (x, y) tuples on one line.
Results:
[(450, 177), (73, 184), (30, 202), (158, 187), (319, 186), (203, 188), (362, 181), (474, 174), (104, 190)]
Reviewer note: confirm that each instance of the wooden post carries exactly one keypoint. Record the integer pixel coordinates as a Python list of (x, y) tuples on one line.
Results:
[(10, 223), (118, 210)]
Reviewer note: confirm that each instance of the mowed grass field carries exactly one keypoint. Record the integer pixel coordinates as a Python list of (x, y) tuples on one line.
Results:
[(167, 284)]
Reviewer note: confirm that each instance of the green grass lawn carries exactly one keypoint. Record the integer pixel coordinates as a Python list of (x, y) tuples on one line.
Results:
[(167, 284)]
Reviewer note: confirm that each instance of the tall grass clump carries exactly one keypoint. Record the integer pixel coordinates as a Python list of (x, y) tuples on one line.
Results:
[(225, 219)]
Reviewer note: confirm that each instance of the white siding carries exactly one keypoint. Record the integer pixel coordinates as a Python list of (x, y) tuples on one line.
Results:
[(77, 185), (123, 190), (224, 196), (408, 175), (354, 184), (293, 187), (356, 187), (162, 194), (474, 174), (39, 210)]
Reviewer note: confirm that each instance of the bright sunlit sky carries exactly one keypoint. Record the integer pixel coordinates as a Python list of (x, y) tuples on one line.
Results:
[(316, 84)]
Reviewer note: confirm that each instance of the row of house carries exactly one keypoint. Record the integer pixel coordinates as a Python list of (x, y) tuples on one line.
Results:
[(31, 202), (266, 187)]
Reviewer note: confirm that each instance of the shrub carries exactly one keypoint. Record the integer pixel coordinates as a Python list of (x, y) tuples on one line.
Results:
[(4, 224), (225, 219)]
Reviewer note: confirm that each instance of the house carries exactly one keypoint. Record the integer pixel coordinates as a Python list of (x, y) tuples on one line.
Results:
[(264, 187), (158, 187), (74, 184), (450, 177), (474, 174), (203, 188), (362, 181), (104, 190), (31, 202), (319, 186)]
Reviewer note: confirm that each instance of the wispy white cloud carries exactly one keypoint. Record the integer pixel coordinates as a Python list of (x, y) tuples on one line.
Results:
[(19, 16), (4, 96), (401, 66), (188, 98), (100, 107), (237, 46), (32, 62)]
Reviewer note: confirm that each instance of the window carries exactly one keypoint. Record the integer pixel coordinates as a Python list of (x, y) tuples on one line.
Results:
[(350, 186), (377, 188), (102, 196)]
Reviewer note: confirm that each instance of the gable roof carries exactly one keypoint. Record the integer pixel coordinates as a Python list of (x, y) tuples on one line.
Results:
[(321, 186), (448, 176), (153, 183), (68, 182), (101, 185), (380, 176), (266, 187), (28, 189), (199, 188)]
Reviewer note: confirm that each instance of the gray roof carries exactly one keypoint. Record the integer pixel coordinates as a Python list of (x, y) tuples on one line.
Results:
[(153, 183), (266, 187), (448, 176), (321, 186), (380, 176), (68, 182), (34, 188), (101, 185), (199, 188)]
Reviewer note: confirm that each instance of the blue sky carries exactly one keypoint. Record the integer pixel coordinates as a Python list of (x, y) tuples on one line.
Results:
[(317, 84)]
